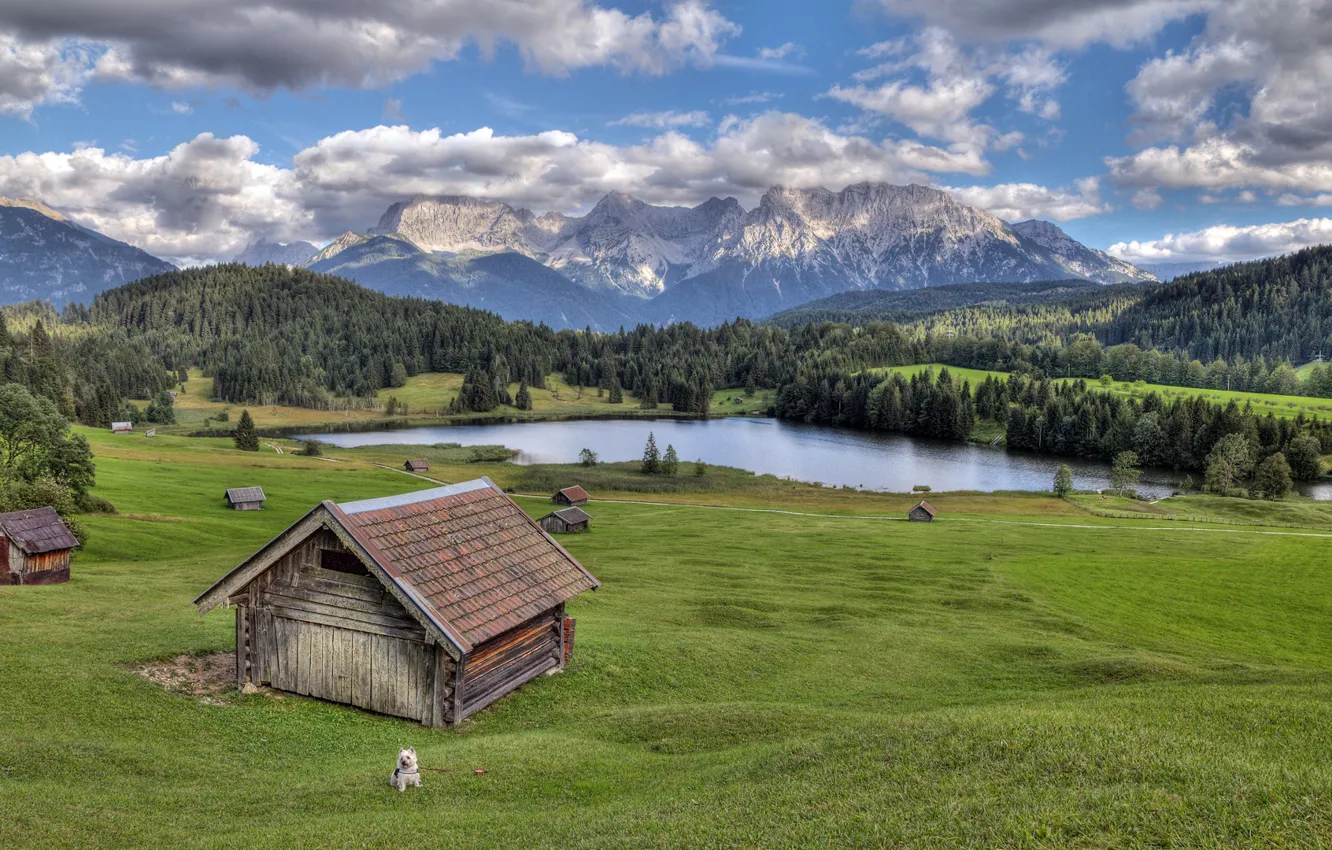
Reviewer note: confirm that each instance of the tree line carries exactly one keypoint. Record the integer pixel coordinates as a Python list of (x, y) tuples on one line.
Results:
[(1070, 418)]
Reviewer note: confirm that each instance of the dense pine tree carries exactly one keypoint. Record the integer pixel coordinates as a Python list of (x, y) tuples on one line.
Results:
[(247, 437)]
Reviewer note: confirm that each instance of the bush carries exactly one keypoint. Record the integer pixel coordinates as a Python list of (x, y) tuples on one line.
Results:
[(921, 488), (1272, 478), (311, 448), (587, 457)]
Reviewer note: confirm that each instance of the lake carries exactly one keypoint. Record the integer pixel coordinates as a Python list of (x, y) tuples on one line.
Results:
[(834, 456)]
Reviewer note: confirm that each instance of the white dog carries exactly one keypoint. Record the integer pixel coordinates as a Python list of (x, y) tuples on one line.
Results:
[(407, 772)]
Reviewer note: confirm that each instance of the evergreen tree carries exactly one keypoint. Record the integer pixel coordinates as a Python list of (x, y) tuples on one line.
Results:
[(1063, 481), (523, 401), (670, 463), (161, 410), (247, 438), (700, 468), (651, 457), (616, 394)]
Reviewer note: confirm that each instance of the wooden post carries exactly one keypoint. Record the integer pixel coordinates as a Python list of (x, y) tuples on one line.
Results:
[(459, 671), (242, 646)]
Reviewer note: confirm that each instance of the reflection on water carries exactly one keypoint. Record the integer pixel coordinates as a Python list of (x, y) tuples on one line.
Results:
[(836, 456)]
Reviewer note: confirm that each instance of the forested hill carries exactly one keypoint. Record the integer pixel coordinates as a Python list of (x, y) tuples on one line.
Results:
[(278, 334), (1277, 309), (292, 336), (880, 305)]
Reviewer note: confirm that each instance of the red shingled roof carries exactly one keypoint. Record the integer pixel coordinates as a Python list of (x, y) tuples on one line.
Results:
[(575, 494), (36, 531), (927, 507), (474, 556)]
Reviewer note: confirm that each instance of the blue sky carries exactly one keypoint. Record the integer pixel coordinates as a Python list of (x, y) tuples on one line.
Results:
[(1163, 129)]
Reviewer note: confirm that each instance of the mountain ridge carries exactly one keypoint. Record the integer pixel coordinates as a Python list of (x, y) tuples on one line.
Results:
[(631, 261), (45, 255)]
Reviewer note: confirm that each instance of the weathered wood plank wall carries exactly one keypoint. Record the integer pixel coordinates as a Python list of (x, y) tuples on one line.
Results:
[(342, 637), (508, 660)]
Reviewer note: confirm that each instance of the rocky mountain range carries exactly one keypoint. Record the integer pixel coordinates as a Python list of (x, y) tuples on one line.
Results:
[(262, 251), (45, 255), (711, 262), (627, 261)]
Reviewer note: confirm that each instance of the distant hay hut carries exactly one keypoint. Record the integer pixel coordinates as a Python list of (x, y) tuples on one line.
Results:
[(428, 605), (34, 547), (152, 432), (566, 521), (419, 464), (921, 513), (121, 427), (246, 498), (571, 497)]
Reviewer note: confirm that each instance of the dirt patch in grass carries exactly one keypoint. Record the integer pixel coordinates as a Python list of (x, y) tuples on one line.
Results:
[(207, 677)]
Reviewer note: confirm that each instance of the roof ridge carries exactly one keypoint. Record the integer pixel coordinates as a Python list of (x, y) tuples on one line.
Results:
[(403, 499)]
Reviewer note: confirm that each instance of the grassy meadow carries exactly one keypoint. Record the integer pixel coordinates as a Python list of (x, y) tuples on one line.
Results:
[(1285, 406), (794, 666), (427, 397)]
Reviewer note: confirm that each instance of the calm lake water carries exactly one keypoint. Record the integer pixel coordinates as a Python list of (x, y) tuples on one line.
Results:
[(835, 456)]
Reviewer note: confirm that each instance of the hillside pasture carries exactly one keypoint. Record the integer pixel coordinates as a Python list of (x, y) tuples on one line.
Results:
[(1284, 406), (810, 670), (427, 397)]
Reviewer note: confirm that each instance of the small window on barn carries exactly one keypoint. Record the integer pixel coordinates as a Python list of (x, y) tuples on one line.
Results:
[(341, 562)]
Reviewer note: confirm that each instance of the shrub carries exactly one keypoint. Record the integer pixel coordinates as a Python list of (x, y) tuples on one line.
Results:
[(921, 488), (587, 457), (312, 448)]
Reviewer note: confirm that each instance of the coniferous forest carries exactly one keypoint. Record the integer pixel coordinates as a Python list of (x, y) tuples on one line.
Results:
[(275, 335)]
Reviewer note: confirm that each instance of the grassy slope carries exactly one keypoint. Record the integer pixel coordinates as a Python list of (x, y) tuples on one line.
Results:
[(1287, 406), (742, 679), (427, 397)]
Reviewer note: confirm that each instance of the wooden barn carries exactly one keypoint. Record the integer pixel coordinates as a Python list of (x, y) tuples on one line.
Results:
[(419, 464), (122, 427), (566, 521), (571, 497), (921, 513), (246, 498), (429, 605), (34, 547)]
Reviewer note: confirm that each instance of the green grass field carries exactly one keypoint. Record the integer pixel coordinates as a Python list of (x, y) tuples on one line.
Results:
[(427, 397), (1016, 674), (1286, 406)]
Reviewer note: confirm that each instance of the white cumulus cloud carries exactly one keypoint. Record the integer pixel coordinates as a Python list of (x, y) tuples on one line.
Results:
[(208, 197), (265, 45), (1021, 201), (1228, 243)]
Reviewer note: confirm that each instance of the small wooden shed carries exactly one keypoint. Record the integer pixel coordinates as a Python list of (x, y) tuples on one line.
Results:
[(419, 464), (429, 605), (571, 496), (566, 521), (121, 427), (246, 498), (921, 513), (34, 547)]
